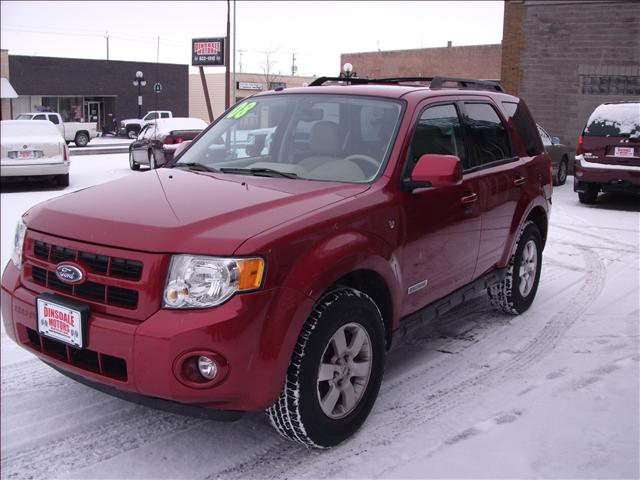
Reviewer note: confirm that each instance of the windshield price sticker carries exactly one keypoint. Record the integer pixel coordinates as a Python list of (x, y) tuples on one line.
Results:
[(241, 110), (60, 322)]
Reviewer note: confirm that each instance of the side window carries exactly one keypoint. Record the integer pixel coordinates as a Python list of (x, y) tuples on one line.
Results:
[(151, 116), (546, 139), (164, 115), (40, 117), (521, 118), (54, 119), (143, 132), (487, 136), (438, 131)]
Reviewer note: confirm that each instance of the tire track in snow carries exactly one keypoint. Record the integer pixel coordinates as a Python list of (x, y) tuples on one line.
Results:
[(423, 402), (130, 430)]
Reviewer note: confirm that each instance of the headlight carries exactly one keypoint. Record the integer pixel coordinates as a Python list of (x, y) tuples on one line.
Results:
[(198, 281), (18, 243)]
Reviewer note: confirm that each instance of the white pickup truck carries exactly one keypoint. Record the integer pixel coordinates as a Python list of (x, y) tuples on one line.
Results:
[(131, 127), (79, 132)]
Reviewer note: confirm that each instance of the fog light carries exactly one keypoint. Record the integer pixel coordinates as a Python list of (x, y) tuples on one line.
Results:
[(208, 368)]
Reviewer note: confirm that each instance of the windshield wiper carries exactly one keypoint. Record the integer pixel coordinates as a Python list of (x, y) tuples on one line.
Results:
[(267, 172), (195, 166)]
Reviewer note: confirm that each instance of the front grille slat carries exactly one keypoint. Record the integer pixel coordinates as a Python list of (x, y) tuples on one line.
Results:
[(99, 291)]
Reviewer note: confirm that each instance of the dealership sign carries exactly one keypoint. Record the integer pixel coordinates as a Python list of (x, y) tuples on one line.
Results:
[(249, 86), (207, 51)]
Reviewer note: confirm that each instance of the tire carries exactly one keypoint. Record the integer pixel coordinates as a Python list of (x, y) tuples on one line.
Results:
[(62, 180), (561, 174), (132, 164), (590, 195), (152, 160), (132, 133), (308, 411), (82, 139), (515, 293)]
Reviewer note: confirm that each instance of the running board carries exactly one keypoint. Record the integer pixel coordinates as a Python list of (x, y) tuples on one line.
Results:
[(415, 321)]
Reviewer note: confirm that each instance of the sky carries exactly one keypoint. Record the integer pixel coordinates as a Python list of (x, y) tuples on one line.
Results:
[(316, 32)]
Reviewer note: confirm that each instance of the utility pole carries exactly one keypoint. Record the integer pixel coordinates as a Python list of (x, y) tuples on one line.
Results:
[(294, 69), (227, 48), (233, 100), (107, 37)]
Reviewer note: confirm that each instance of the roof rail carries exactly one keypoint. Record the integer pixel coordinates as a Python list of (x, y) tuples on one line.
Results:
[(434, 82)]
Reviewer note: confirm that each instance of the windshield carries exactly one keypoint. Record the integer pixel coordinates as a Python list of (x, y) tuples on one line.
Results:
[(24, 116), (339, 138)]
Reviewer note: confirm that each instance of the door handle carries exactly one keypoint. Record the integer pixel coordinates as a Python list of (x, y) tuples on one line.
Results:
[(472, 197), (519, 181)]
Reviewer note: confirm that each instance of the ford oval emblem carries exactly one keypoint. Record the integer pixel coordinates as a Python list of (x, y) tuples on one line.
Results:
[(69, 273)]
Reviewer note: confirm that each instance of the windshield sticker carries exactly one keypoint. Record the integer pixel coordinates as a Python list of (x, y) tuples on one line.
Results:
[(241, 110)]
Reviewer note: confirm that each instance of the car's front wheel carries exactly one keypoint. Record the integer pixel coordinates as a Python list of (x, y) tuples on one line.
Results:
[(132, 163), (515, 293), (335, 371)]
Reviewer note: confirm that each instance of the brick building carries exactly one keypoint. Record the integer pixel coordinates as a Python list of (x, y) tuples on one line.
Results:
[(472, 61), (566, 57), (98, 91)]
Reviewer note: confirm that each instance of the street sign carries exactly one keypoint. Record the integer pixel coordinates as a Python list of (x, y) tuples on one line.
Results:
[(207, 51), (157, 87)]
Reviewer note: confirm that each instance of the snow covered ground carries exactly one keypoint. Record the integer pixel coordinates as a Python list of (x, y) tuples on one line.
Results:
[(553, 393)]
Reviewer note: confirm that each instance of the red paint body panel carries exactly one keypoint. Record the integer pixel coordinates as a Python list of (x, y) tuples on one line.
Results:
[(310, 235)]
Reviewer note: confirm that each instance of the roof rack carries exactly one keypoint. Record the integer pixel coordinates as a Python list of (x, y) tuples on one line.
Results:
[(434, 82)]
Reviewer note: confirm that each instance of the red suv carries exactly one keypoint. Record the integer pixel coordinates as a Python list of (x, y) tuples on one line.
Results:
[(290, 246), (608, 154)]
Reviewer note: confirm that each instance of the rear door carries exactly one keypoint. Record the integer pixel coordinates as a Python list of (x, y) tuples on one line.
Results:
[(497, 173), (441, 224)]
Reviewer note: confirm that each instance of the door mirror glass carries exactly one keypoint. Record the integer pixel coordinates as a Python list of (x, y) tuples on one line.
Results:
[(555, 141), (436, 171)]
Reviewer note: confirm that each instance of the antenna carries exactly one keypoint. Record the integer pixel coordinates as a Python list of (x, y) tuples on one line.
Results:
[(106, 35), (240, 60), (294, 69)]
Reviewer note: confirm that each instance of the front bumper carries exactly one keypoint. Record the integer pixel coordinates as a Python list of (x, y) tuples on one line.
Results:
[(137, 358)]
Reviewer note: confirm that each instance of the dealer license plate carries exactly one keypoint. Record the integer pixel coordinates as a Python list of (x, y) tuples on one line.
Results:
[(60, 322), (26, 154), (623, 152)]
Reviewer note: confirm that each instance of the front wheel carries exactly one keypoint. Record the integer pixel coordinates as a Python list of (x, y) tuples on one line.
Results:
[(515, 293), (132, 133), (335, 371), (132, 163)]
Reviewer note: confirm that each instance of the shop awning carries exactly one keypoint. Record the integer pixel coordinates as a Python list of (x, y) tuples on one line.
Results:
[(7, 90)]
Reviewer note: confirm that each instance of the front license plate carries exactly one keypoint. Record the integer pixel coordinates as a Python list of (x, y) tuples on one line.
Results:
[(60, 322), (623, 152)]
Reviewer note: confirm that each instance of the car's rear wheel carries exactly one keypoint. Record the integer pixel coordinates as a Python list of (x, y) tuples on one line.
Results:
[(335, 371), (62, 180), (82, 139), (561, 175), (515, 293), (132, 163), (590, 194)]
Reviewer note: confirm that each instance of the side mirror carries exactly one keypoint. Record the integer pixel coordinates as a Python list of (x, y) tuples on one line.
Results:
[(555, 141), (435, 171)]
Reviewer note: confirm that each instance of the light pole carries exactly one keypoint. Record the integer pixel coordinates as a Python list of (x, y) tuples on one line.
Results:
[(139, 82), (347, 71)]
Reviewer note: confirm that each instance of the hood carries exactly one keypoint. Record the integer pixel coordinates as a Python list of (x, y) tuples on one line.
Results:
[(180, 211)]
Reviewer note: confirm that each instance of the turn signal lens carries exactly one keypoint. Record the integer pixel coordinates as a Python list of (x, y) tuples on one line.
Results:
[(251, 270), (580, 149)]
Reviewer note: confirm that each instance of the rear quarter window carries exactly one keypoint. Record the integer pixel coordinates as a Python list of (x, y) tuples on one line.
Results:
[(614, 120), (525, 126)]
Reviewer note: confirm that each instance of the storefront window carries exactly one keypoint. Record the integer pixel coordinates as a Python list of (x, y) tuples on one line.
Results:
[(71, 109)]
